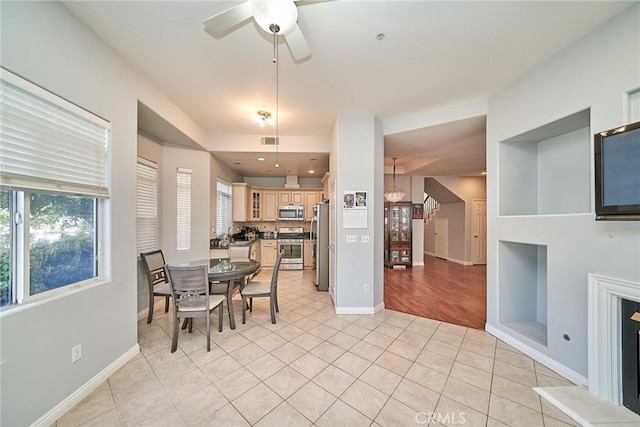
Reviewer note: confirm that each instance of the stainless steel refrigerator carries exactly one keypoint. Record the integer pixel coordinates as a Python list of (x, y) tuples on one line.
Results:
[(320, 237)]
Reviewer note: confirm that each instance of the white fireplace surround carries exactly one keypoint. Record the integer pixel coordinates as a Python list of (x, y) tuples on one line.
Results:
[(604, 326)]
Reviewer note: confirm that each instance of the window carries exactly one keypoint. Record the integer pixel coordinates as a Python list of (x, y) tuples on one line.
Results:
[(183, 213), (223, 207), (147, 205), (50, 199)]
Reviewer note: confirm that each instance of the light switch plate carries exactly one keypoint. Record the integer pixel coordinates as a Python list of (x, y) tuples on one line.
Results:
[(352, 238), (365, 238)]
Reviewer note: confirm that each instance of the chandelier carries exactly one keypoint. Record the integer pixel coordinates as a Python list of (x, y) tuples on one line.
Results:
[(395, 194)]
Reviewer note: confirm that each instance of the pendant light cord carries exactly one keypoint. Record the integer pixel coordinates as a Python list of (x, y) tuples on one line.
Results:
[(276, 61)]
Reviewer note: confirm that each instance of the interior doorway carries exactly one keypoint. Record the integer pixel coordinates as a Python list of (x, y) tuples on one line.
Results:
[(441, 245)]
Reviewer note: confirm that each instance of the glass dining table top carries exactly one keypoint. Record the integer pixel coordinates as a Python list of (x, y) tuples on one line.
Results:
[(225, 268)]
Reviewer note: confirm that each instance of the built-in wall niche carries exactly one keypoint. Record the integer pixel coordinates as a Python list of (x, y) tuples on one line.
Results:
[(546, 171), (634, 105), (522, 284)]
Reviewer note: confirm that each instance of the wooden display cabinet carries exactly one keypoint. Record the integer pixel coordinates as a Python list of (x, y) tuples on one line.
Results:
[(397, 234)]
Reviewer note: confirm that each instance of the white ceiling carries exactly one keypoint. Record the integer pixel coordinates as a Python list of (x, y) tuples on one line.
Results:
[(434, 54)]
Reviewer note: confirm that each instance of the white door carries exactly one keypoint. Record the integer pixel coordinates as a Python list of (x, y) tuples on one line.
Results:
[(441, 237), (479, 249), (332, 241)]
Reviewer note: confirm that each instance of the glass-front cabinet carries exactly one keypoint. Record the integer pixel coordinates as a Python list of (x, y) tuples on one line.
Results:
[(397, 234)]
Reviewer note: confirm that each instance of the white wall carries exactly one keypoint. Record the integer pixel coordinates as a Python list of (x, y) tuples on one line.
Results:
[(594, 73), (357, 164), (44, 43)]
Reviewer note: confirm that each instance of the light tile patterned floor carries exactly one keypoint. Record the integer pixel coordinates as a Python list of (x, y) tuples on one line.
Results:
[(314, 367)]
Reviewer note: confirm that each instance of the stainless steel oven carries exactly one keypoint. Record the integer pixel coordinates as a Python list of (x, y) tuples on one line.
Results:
[(291, 240)]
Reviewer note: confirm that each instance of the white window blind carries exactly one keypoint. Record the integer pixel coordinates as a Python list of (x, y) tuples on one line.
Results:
[(47, 143), (183, 215), (147, 205), (223, 207)]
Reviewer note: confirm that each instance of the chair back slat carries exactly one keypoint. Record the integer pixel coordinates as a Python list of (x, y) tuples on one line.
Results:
[(276, 269), (154, 267), (239, 252), (188, 283)]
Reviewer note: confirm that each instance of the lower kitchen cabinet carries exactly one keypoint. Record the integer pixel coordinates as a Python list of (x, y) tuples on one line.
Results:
[(307, 255), (269, 253)]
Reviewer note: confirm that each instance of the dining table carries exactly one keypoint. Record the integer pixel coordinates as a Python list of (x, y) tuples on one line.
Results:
[(231, 272)]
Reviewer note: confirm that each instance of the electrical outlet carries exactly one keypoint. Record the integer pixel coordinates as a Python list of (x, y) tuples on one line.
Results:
[(76, 353), (352, 238), (366, 287), (365, 238)]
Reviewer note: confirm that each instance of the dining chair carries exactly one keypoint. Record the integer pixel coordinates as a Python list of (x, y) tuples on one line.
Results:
[(263, 289), (157, 279), (191, 298), (239, 252)]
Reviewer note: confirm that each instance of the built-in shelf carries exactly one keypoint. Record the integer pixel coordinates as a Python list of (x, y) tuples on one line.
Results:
[(523, 289), (546, 171)]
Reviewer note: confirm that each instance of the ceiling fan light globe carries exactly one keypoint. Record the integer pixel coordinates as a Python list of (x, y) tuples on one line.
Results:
[(280, 12)]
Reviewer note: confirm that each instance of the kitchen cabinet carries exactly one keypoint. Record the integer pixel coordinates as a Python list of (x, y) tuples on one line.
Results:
[(397, 234), (269, 252), (255, 205), (307, 255), (240, 196), (269, 205), (257, 250), (291, 197), (310, 199)]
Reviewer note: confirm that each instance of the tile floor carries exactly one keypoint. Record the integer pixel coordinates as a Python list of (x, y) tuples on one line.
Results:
[(314, 367)]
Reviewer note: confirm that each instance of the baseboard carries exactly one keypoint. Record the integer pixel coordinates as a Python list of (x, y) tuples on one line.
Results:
[(143, 314), (360, 310), (536, 355), (429, 253), (74, 398), (457, 261), (418, 264)]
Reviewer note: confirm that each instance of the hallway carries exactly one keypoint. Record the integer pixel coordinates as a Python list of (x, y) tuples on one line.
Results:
[(440, 290)]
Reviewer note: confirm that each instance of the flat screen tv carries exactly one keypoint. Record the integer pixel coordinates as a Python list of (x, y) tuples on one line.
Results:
[(617, 167)]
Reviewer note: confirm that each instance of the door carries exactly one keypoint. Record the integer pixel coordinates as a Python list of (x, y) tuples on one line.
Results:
[(441, 237), (479, 244)]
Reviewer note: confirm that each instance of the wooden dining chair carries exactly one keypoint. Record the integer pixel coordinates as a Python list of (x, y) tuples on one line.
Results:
[(263, 289), (157, 279), (191, 298)]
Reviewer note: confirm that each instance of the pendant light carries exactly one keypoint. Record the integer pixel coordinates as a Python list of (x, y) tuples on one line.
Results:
[(395, 195), (275, 29)]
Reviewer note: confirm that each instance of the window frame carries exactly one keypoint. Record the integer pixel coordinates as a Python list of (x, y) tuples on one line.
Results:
[(227, 195), (155, 183)]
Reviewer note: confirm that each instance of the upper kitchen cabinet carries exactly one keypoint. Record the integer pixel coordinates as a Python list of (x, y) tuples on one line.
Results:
[(256, 205), (291, 197), (310, 199), (269, 205), (240, 196)]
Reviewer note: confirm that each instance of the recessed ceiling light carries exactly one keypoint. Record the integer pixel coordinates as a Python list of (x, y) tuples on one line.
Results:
[(380, 36), (261, 159), (312, 171)]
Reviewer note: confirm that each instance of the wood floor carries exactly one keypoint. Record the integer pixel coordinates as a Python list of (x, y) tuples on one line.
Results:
[(440, 290)]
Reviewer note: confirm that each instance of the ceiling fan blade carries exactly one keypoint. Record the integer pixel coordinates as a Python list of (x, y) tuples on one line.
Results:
[(297, 44), (223, 22)]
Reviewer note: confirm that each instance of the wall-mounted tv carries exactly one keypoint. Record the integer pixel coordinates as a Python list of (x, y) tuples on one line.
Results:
[(617, 167)]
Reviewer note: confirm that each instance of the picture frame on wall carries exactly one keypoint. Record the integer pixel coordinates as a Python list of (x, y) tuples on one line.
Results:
[(418, 211)]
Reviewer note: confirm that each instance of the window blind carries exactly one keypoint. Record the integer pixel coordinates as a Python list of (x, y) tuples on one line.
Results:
[(147, 205), (47, 143), (223, 207), (183, 214)]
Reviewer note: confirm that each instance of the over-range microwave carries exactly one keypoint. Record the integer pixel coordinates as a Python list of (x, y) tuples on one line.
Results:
[(290, 213)]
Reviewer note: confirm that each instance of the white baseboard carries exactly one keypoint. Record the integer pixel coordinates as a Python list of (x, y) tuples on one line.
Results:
[(550, 363), (457, 261), (429, 253), (74, 398), (360, 310), (418, 264)]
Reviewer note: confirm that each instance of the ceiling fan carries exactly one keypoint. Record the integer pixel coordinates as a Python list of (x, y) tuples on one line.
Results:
[(276, 17)]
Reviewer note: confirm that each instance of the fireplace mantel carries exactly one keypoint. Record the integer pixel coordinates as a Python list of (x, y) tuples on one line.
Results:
[(604, 328)]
